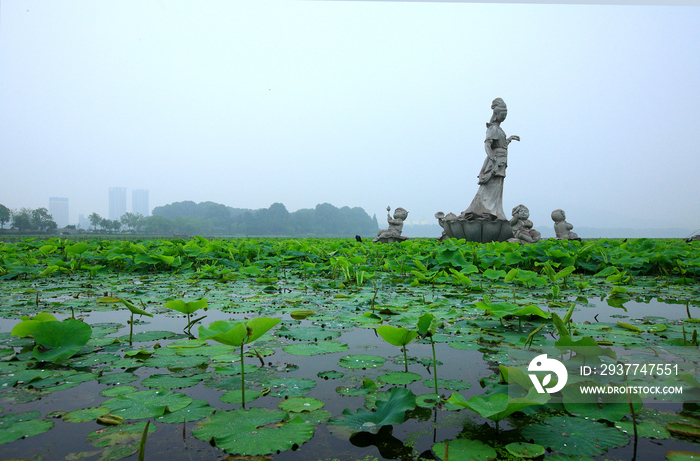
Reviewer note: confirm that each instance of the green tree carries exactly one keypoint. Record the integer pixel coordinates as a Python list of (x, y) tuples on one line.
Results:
[(5, 216), (22, 219), (42, 220), (95, 220)]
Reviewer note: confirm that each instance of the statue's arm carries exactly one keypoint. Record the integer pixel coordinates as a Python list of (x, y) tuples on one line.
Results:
[(513, 138)]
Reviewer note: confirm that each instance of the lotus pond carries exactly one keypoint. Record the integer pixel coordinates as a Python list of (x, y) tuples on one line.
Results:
[(334, 349)]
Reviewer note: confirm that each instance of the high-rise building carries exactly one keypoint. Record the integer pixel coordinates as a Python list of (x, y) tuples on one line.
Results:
[(58, 209), (83, 222), (117, 202), (139, 202)]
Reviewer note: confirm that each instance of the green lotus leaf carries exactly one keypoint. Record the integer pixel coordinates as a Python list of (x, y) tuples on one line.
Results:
[(302, 314), (14, 427), (290, 387), (135, 309), (28, 325), (86, 414), (331, 374), (307, 349), (428, 400), (464, 450), (153, 335), (256, 431), (186, 307), (174, 381), (299, 404), (644, 429), (610, 407), (62, 380), (58, 341), (119, 441), (427, 324), (682, 456), (398, 378), (684, 429), (391, 411), (147, 404), (396, 336), (117, 378), (368, 386), (119, 390), (584, 437), (525, 450), (361, 361), (238, 333), (497, 406), (187, 344), (235, 396), (195, 411), (175, 361)]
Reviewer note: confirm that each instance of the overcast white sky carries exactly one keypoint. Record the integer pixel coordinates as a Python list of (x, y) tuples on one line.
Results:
[(356, 103)]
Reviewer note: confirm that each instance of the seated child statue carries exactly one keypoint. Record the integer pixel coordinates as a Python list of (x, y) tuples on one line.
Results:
[(522, 226), (562, 229), (393, 233)]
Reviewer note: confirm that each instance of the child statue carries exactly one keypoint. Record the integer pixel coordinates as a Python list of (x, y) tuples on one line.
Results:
[(522, 226), (562, 228), (393, 233)]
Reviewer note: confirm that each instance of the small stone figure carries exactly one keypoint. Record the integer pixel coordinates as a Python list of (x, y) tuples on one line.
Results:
[(393, 233), (522, 226), (562, 228)]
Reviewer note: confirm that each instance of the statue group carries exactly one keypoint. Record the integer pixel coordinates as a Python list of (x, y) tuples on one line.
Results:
[(484, 220)]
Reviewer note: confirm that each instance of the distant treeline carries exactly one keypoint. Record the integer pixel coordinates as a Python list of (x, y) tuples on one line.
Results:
[(209, 218)]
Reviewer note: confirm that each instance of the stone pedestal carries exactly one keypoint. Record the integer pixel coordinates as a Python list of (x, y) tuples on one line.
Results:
[(475, 230)]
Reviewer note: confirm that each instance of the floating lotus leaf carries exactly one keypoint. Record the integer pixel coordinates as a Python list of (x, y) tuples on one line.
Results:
[(525, 450), (332, 374), (300, 404), (684, 429), (307, 349), (464, 450), (117, 378), (174, 381), (256, 431), (290, 387), (14, 427), (187, 344), (86, 414), (63, 380), (610, 407), (644, 429), (147, 404), (119, 390), (399, 378), (175, 361), (195, 411), (368, 386), (361, 361), (575, 436), (682, 456), (58, 341), (119, 441), (302, 314), (391, 411), (235, 396), (428, 400), (559, 457), (235, 369)]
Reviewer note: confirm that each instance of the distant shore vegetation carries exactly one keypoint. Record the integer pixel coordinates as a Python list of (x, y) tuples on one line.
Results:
[(209, 219)]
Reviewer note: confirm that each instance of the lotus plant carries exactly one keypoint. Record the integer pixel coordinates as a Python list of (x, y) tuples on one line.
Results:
[(238, 334), (397, 336)]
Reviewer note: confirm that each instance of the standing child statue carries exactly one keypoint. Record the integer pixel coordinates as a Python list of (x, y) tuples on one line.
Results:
[(393, 233), (562, 228), (522, 226)]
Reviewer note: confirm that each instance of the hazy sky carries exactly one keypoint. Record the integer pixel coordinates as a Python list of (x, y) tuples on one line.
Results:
[(356, 103)]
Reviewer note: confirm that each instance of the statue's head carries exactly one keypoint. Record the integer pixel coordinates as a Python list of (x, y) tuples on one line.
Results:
[(558, 215), (400, 213), (521, 211), (500, 111)]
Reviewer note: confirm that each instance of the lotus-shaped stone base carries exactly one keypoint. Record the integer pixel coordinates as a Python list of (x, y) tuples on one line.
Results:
[(474, 228)]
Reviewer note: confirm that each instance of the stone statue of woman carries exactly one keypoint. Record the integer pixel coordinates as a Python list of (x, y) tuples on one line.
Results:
[(488, 202)]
